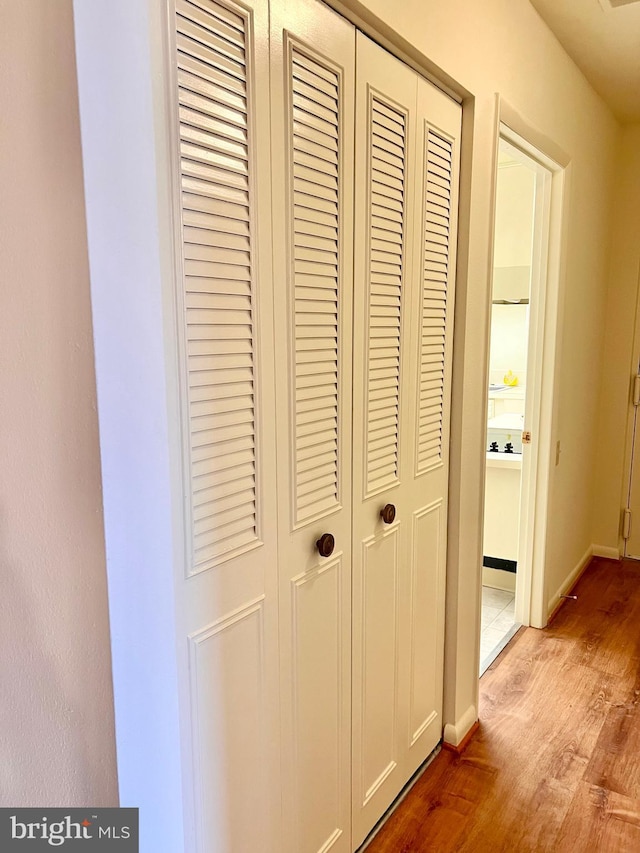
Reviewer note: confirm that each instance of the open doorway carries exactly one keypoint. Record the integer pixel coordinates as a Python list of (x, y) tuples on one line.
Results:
[(521, 240)]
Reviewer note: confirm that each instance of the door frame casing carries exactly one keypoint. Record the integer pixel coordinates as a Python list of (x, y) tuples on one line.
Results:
[(632, 426), (532, 607), (121, 61)]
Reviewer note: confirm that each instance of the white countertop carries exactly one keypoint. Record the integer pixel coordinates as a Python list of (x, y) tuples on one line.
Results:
[(504, 460)]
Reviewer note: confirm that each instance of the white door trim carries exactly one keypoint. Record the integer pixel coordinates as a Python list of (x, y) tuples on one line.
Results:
[(544, 349), (630, 435), (121, 68)]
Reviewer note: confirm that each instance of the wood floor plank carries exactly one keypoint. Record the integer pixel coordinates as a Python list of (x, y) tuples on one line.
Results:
[(600, 821), (614, 764), (457, 785), (554, 764)]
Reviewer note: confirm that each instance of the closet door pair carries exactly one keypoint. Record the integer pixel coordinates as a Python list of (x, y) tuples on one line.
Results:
[(407, 138), (364, 181), (315, 197)]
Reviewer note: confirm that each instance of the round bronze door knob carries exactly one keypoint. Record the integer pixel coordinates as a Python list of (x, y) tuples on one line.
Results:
[(325, 545), (388, 513)]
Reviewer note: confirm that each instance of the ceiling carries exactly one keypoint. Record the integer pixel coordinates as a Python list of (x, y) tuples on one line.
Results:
[(603, 39)]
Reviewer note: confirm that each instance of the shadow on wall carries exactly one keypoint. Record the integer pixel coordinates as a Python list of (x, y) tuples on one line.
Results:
[(46, 753), (56, 712)]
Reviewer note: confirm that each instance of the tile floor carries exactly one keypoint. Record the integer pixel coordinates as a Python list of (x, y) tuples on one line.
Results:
[(498, 624)]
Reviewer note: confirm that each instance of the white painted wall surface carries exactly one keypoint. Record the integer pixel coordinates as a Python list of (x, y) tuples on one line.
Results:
[(514, 216), (56, 714), (622, 347), (509, 339)]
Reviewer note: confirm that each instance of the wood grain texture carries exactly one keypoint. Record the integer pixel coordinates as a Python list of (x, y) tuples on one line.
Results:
[(554, 765)]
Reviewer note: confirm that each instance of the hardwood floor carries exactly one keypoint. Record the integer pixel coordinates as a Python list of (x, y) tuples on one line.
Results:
[(555, 765)]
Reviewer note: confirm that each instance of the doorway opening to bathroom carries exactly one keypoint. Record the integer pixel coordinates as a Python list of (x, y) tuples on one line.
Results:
[(519, 303)]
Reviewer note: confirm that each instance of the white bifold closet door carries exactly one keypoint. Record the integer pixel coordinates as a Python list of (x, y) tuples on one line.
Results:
[(226, 586), (316, 203), (313, 62), (407, 137)]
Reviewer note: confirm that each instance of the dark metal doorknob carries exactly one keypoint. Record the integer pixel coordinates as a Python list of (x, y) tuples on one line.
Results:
[(388, 513), (325, 545)]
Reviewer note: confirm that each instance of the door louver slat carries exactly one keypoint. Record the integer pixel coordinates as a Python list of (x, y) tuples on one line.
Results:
[(437, 215), (314, 163), (385, 262), (213, 100)]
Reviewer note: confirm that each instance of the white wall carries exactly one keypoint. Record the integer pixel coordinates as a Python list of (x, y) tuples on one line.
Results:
[(502, 46), (514, 216), (512, 247), (621, 352), (509, 338), (56, 714)]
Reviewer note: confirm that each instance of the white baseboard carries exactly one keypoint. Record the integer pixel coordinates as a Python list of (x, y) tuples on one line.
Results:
[(455, 733), (498, 579), (570, 580), (606, 551)]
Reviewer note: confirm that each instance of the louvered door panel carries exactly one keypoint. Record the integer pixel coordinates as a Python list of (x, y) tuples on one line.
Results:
[(383, 319), (436, 272), (426, 481), (314, 153), (312, 87), (406, 132), (228, 597), (387, 168), (219, 279)]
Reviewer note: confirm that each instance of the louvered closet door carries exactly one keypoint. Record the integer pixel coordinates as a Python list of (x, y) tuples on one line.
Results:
[(229, 586), (426, 436), (312, 114), (402, 321), (385, 131)]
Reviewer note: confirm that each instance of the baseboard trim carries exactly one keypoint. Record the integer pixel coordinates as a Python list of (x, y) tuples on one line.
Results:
[(556, 602), (464, 743), (456, 733), (606, 552), (498, 580)]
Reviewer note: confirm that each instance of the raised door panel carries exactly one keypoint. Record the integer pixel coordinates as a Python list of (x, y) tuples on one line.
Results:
[(379, 712), (227, 586), (229, 706), (426, 623), (385, 130), (313, 56), (318, 726)]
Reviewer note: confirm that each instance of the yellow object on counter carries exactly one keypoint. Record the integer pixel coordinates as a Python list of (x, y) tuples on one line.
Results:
[(510, 379)]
